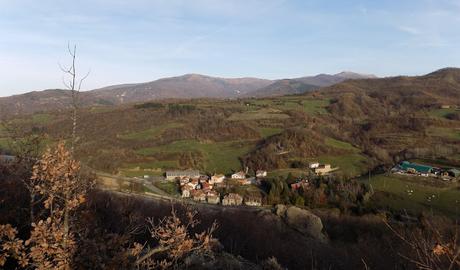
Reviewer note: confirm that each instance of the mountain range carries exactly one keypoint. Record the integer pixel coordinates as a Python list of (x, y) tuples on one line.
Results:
[(182, 87)]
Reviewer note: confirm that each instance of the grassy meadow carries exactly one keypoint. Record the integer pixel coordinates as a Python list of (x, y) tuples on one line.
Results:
[(415, 194)]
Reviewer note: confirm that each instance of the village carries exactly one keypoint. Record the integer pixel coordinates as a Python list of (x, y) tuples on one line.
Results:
[(213, 189)]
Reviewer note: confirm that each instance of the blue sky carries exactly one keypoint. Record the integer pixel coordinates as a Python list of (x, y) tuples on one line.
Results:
[(137, 41)]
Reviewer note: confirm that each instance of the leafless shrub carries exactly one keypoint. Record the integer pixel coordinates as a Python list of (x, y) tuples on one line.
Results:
[(432, 246)]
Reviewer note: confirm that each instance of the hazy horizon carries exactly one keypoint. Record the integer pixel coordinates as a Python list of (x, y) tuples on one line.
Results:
[(139, 41)]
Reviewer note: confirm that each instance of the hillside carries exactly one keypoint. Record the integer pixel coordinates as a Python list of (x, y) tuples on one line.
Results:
[(47, 100), (182, 87), (186, 86), (283, 87), (305, 84), (374, 97)]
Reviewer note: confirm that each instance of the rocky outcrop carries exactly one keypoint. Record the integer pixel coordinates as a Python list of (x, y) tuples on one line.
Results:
[(302, 221)]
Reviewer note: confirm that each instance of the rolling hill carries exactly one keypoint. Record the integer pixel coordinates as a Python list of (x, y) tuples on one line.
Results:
[(306, 84), (182, 87)]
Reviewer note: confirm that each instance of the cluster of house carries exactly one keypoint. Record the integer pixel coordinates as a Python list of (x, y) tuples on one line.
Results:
[(407, 167), (321, 169), (202, 188)]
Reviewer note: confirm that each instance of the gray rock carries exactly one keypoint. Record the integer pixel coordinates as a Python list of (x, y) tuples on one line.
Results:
[(302, 221)]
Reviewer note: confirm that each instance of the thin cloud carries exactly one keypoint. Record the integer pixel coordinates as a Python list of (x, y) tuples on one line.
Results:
[(409, 30)]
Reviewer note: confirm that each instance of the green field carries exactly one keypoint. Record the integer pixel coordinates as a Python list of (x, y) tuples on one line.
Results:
[(446, 199), (264, 113), (351, 165), (268, 131), (169, 187), (449, 133), (340, 144), (298, 103), (221, 157), (310, 106)]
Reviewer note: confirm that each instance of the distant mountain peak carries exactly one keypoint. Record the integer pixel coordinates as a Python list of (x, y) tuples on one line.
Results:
[(354, 75)]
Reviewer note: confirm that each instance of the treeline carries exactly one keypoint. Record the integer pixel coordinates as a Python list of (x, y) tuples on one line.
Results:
[(349, 196)]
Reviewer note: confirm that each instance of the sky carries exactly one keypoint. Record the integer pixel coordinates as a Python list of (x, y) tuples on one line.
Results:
[(138, 41)]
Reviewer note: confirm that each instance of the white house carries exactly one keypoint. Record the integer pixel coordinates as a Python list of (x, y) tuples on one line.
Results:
[(216, 178), (186, 192), (324, 169), (239, 175), (253, 201), (313, 165), (192, 184), (261, 173)]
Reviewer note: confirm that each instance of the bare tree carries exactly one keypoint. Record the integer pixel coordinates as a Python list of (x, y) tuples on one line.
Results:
[(433, 246), (73, 83)]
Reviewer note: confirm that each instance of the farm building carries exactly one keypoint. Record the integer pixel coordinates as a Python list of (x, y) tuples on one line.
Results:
[(454, 173), (172, 175), (415, 168), (323, 169)]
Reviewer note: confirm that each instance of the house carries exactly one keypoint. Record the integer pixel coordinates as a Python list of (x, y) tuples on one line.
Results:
[(239, 175), (205, 186), (217, 178), (204, 178), (184, 180), (261, 173), (172, 175), (253, 201), (198, 195), (193, 184), (212, 197), (304, 184), (454, 173), (313, 165), (232, 199), (415, 168), (186, 191), (323, 169)]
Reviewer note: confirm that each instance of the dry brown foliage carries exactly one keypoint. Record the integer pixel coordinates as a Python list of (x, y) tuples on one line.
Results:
[(175, 241), (56, 178), (11, 246)]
